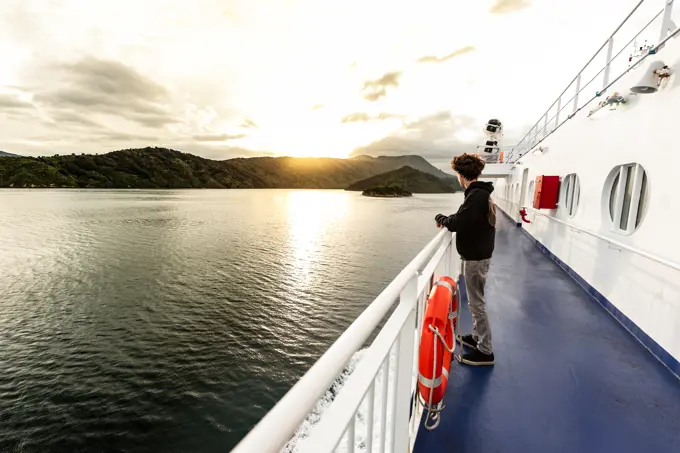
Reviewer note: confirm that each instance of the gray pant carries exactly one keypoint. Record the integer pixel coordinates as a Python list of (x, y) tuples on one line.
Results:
[(475, 279)]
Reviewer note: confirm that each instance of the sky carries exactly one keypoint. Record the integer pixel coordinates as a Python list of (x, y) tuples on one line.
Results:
[(241, 78)]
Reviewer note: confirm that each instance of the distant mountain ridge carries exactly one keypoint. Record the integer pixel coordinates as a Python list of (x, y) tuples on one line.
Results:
[(413, 161), (4, 154), (407, 178), (167, 168)]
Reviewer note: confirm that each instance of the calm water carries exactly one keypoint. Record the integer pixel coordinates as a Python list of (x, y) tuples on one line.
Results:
[(171, 321)]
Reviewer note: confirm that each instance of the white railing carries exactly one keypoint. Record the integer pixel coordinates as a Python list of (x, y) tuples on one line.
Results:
[(492, 158), (551, 120), (509, 206), (618, 244), (498, 156), (394, 351)]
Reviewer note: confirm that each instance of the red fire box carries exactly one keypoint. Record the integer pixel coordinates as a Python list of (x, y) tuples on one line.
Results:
[(546, 191)]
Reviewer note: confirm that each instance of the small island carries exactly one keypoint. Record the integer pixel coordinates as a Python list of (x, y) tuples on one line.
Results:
[(386, 192)]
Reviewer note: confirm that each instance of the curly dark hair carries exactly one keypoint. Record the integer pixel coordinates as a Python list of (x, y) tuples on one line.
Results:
[(468, 166)]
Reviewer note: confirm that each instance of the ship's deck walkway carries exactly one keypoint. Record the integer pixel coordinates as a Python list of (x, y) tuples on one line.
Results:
[(568, 377)]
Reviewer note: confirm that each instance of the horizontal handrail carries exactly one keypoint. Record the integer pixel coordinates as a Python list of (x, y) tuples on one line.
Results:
[(278, 426), (647, 255)]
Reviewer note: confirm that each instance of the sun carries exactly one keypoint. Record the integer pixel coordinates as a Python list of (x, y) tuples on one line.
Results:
[(297, 142), (315, 139)]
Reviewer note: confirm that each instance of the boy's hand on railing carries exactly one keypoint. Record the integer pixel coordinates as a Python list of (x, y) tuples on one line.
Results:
[(439, 218)]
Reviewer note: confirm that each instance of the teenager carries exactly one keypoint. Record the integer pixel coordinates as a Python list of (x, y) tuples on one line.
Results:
[(475, 227)]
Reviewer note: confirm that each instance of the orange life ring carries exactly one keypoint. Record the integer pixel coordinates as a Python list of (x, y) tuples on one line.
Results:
[(437, 341)]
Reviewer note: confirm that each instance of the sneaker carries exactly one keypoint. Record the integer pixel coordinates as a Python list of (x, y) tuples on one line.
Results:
[(476, 358), (467, 340)]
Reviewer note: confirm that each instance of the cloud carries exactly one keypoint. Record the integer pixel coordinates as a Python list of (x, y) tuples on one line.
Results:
[(509, 6), (11, 101), (437, 137), (438, 121), (108, 87), (108, 136), (111, 78), (67, 117), (249, 124), (363, 117), (375, 89), (78, 103), (356, 117), (151, 119), (454, 54), (217, 152), (432, 136), (217, 137)]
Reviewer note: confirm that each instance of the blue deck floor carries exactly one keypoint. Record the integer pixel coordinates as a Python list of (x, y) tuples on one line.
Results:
[(568, 377)]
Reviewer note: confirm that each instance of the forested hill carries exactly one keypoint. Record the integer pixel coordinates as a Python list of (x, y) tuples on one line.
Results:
[(166, 168), (408, 179)]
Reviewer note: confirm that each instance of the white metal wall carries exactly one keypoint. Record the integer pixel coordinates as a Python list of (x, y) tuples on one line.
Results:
[(643, 131)]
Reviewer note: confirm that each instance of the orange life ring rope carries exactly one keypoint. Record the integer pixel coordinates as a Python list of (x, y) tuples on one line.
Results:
[(435, 355)]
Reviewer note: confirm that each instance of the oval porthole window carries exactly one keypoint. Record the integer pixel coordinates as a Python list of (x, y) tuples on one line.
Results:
[(531, 191), (571, 193), (625, 197)]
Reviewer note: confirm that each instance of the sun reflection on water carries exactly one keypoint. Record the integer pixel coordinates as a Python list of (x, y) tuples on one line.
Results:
[(312, 216)]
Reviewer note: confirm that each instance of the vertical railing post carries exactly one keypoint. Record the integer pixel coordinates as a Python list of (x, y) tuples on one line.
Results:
[(545, 125), (557, 114), (535, 134), (383, 414), (351, 434), (578, 88), (607, 66), (369, 418), (459, 274), (404, 370), (666, 19), (453, 257), (535, 140)]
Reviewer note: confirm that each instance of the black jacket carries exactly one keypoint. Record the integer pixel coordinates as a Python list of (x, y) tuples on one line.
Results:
[(474, 223)]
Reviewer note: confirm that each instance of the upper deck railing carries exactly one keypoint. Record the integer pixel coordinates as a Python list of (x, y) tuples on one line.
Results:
[(598, 78), (374, 407)]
